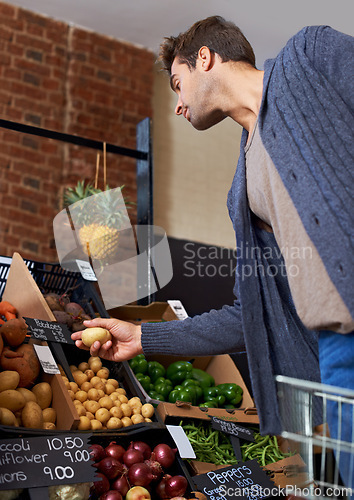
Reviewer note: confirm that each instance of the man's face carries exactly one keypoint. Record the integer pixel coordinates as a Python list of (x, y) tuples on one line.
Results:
[(194, 89)]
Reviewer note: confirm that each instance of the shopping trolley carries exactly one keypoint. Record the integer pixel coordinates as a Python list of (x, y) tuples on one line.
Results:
[(329, 459)]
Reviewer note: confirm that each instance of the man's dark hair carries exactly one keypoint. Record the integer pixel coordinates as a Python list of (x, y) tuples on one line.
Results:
[(220, 36)]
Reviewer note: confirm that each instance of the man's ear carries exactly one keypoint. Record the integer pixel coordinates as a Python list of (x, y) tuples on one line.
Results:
[(205, 58)]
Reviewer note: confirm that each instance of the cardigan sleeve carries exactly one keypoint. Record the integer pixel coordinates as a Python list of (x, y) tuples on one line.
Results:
[(215, 332)]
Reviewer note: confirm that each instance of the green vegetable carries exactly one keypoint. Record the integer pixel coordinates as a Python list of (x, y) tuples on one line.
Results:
[(156, 395), (188, 382), (163, 386), (180, 393), (214, 446), (179, 371), (232, 392), (139, 364), (155, 370), (145, 381), (204, 379)]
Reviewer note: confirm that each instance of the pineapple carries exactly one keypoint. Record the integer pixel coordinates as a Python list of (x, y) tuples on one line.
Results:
[(98, 216)]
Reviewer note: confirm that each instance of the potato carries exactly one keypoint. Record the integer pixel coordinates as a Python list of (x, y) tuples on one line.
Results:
[(14, 331), (114, 423), (27, 394), (32, 416), (126, 421), (43, 393), (9, 379), (79, 377), (93, 395), (49, 426), (96, 365), (83, 366), (49, 415), (114, 382), (96, 424), (106, 402), (103, 373), (126, 409), (137, 419), (86, 386), (91, 335), (12, 400), (109, 389), (91, 406), (147, 410), (7, 417), (102, 415), (81, 396), (116, 411), (84, 424)]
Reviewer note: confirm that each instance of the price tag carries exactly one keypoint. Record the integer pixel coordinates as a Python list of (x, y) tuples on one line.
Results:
[(178, 309), (242, 481), (43, 461), (86, 270), (51, 331), (182, 442), (232, 428), (46, 359)]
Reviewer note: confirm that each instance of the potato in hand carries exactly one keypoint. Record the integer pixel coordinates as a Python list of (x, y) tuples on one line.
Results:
[(90, 335)]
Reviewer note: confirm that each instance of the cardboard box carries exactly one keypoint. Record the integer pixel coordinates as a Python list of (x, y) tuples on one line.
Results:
[(22, 292), (224, 370), (156, 311)]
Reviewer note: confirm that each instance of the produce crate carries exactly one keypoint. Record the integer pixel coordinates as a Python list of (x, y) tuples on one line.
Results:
[(52, 278), (152, 436), (120, 372), (224, 370)]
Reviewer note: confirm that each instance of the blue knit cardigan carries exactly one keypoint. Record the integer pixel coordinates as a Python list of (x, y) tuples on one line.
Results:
[(306, 125)]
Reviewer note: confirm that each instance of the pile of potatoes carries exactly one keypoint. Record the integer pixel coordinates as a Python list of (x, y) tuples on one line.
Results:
[(100, 402), (25, 407)]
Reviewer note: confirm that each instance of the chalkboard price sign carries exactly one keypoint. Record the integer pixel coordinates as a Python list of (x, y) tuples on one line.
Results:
[(49, 330), (232, 428), (45, 460), (246, 480)]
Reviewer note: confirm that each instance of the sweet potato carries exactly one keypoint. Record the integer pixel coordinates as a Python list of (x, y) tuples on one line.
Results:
[(14, 331), (23, 360), (7, 310)]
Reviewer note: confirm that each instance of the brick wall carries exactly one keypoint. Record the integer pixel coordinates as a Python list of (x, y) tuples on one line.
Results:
[(66, 79)]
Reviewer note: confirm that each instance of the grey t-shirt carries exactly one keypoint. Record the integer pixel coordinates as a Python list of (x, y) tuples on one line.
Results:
[(316, 299)]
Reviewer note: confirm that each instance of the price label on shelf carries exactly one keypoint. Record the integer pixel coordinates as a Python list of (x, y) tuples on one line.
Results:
[(242, 481), (86, 270), (46, 359), (49, 330), (44, 461)]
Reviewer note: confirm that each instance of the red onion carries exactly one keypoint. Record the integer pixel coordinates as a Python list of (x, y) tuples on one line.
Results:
[(115, 450), (111, 495), (100, 486), (141, 446), (110, 467), (97, 452), (139, 475), (154, 466), (132, 456), (176, 486), (121, 484), (160, 489), (165, 455)]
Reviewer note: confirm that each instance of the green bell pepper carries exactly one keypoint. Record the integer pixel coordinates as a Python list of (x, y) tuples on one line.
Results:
[(179, 371), (204, 379), (155, 370), (212, 403), (180, 393), (214, 394), (156, 395), (190, 382), (233, 393), (145, 381), (163, 386), (139, 364)]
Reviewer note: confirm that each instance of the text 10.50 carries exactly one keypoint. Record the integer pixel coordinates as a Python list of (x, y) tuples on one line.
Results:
[(68, 442)]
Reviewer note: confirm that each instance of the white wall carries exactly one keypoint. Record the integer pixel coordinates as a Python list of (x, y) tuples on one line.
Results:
[(193, 172)]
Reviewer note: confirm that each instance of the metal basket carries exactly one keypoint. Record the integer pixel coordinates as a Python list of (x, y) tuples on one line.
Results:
[(303, 408)]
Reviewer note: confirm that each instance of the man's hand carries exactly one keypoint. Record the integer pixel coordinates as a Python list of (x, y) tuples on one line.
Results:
[(125, 343)]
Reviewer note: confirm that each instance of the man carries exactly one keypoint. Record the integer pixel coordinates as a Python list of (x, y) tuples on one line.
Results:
[(291, 204)]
